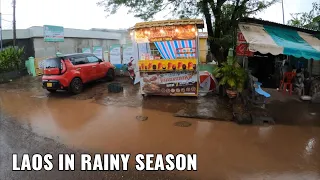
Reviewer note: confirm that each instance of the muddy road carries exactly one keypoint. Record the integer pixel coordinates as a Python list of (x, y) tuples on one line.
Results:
[(34, 121)]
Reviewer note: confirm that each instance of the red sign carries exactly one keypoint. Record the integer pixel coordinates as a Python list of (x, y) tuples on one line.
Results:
[(241, 38), (242, 48)]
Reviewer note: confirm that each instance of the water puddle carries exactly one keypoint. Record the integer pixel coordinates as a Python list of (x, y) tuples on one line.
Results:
[(225, 150)]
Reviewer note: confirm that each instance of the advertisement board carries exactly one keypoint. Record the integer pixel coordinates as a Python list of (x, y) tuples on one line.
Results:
[(168, 65), (97, 51), (86, 50), (166, 33), (174, 83), (115, 54), (53, 33), (127, 53), (242, 48)]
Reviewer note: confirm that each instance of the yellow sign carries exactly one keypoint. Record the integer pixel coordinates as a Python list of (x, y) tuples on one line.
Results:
[(168, 65)]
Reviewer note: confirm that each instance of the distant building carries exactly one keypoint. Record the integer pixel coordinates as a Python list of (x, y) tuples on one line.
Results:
[(74, 40), (125, 35)]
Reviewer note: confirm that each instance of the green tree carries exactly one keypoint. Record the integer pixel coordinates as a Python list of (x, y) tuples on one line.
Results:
[(11, 59), (221, 16), (310, 20)]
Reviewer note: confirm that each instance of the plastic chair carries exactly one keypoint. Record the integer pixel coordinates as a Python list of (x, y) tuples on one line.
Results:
[(287, 82)]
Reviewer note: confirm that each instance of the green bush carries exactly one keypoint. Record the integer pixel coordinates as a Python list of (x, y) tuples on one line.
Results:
[(232, 75), (11, 59)]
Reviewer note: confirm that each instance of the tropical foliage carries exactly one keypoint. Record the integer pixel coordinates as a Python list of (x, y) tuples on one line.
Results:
[(11, 59), (231, 74), (221, 16), (310, 20)]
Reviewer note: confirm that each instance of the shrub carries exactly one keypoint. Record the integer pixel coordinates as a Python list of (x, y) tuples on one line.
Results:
[(11, 59), (232, 75)]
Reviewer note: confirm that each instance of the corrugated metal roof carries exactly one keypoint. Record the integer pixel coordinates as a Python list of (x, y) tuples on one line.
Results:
[(198, 22)]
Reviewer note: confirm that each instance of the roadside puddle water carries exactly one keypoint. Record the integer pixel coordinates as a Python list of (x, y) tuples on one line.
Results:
[(222, 147)]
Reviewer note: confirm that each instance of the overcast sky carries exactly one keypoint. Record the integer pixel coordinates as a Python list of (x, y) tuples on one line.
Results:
[(85, 14)]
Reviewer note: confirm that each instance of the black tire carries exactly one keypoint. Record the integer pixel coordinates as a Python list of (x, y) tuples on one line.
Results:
[(52, 90), (76, 86), (110, 75)]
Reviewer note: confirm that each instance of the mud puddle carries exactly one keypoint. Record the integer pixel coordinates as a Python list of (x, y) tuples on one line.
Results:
[(225, 150)]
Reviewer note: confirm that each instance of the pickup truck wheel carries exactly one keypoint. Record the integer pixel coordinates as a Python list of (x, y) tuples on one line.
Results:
[(76, 86), (110, 75)]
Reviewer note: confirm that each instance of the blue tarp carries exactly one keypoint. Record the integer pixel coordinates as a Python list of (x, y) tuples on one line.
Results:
[(292, 43)]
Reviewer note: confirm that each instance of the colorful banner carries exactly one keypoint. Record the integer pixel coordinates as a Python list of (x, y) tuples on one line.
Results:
[(53, 33), (127, 53), (165, 33), (176, 84), (115, 54), (97, 51), (177, 49), (86, 50)]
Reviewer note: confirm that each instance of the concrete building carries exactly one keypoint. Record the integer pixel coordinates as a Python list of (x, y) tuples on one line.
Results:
[(74, 40), (125, 35)]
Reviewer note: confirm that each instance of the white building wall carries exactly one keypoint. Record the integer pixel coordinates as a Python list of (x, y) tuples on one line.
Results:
[(70, 45), (68, 33)]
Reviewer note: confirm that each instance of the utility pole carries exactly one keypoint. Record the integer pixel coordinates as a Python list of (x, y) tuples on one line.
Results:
[(14, 23), (282, 13), (0, 27)]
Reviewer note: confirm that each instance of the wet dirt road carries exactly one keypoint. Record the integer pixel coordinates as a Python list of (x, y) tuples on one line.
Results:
[(33, 121)]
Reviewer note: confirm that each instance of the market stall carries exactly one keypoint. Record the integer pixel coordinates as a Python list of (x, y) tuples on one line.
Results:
[(280, 55), (168, 57)]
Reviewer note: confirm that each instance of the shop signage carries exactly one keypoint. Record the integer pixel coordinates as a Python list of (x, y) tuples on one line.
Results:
[(177, 83), (166, 33), (168, 65), (115, 54), (203, 35), (127, 53), (241, 38), (242, 48), (53, 33), (97, 51), (186, 50), (86, 50)]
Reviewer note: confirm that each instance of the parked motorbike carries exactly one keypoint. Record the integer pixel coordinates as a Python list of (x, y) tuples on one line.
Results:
[(130, 69)]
